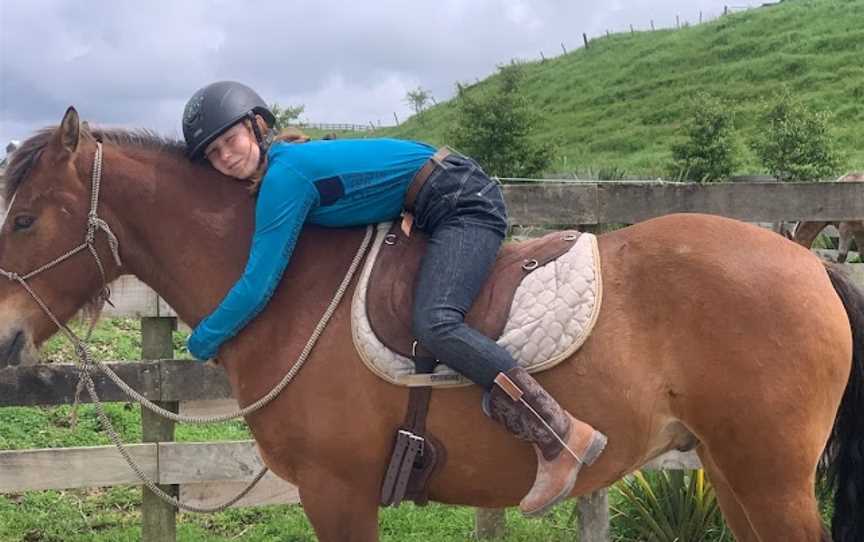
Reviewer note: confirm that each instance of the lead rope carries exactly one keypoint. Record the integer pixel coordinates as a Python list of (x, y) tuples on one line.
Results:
[(87, 363), (84, 354)]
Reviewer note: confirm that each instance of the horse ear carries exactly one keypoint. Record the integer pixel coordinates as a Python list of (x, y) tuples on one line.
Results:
[(69, 133)]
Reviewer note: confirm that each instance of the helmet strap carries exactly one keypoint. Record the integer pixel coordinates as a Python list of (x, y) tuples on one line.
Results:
[(263, 141)]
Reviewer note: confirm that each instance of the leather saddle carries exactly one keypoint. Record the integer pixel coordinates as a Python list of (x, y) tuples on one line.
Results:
[(390, 297)]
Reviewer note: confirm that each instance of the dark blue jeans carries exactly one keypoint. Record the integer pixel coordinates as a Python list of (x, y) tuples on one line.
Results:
[(462, 210)]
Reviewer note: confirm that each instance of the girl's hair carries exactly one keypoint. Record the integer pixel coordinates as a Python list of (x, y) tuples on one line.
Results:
[(286, 135)]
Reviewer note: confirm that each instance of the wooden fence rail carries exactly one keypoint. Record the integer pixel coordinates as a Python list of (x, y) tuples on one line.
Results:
[(550, 202), (208, 472)]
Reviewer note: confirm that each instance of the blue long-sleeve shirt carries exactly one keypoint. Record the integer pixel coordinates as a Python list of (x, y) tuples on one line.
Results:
[(343, 182)]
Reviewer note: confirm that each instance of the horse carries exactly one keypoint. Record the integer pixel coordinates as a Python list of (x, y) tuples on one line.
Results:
[(713, 333), (805, 233)]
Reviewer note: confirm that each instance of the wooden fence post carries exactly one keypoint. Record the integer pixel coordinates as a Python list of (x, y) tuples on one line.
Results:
[(489, 523), (158, 518), (594, 517)]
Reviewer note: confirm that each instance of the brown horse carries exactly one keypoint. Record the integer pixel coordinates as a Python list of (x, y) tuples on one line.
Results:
[(714, 333), (806, 232)]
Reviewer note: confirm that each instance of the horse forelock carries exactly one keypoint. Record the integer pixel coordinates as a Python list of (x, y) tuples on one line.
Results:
[(23, 159)]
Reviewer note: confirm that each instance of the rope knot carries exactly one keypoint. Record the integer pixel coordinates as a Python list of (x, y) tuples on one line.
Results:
[(11, 275), (90, 236)]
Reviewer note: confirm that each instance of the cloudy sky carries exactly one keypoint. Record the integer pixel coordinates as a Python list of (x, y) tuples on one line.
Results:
[(134, 64)]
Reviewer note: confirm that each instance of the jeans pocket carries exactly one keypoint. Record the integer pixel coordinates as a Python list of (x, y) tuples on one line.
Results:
[(482, 202)]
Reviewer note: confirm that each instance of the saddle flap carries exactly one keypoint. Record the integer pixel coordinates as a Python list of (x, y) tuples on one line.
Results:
[(390, 296)]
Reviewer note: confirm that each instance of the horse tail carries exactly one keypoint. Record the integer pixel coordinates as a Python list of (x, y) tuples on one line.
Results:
[(843, 460)]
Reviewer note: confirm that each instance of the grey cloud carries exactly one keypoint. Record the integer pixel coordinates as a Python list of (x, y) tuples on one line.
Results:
[(131, 64)]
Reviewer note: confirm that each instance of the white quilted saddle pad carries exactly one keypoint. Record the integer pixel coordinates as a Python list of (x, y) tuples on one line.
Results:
[(553, 312)]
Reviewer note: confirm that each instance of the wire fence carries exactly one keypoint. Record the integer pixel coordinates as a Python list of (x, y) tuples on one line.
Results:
[(680, 21)]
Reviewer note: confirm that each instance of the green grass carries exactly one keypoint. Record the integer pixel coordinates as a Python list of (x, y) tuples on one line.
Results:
[(620, 103), (112, 515)]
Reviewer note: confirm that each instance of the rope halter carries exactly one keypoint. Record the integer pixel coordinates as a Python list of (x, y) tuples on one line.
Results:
[(94, 224)]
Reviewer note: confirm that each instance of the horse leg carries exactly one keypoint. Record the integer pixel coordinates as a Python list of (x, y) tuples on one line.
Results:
[(340, 512), (844, 242), (775, 492), (734, 515), (806, 232), (857, 229)]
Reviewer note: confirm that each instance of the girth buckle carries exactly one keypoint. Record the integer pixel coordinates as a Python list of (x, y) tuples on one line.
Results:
[(421, 442)]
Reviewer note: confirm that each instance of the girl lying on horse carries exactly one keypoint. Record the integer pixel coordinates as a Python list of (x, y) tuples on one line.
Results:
[(353, 182)]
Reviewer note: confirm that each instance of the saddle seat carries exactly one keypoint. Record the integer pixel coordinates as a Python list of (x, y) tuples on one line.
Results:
[(540, 303)]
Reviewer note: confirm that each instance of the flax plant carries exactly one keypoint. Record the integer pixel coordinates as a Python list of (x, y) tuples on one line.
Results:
[(669, 506)]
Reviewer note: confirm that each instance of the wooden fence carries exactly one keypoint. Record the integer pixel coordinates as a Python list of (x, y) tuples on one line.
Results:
[(206, 473)]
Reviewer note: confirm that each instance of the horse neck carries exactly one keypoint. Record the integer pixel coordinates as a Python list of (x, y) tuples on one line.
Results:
[(184, 230)]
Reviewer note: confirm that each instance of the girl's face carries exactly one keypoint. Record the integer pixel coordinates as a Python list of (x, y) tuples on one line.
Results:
[(235, 153)]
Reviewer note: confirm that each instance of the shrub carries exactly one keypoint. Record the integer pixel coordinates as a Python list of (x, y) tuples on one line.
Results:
[(287, 114), (669, 506), (709, 154), (494, 126), (796, 144), (418, 99)]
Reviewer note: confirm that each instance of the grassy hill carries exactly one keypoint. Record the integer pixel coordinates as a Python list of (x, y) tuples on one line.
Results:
[(619, 104)]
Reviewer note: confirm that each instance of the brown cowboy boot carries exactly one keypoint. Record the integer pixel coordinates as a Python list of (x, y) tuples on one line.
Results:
[(529, 412)]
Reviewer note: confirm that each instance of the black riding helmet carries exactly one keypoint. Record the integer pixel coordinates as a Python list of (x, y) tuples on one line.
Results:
[(217, 107)]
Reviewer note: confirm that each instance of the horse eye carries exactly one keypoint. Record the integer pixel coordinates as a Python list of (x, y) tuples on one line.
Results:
[(23, 222)]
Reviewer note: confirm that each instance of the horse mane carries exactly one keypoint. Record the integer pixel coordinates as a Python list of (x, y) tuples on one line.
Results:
[(25, 157)]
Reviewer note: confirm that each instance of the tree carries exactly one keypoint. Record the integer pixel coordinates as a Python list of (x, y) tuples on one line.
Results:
[(418, 99), (709, 154), (796, 143), (285, 115), (495, 125)]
